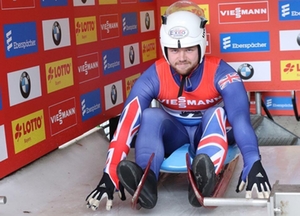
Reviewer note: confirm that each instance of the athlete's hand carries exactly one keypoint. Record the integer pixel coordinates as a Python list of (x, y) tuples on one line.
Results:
[(105, 189), (254, 178)]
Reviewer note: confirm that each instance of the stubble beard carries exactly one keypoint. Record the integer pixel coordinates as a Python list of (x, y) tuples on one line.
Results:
[(185, 71)]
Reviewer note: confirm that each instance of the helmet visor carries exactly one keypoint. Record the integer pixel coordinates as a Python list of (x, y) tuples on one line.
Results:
[(185, 6)]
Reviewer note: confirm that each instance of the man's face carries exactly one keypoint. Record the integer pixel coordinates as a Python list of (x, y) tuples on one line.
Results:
[(183, 60)]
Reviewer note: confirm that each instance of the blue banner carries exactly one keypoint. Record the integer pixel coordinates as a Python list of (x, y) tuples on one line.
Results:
[(245, 42), (20, 39), (90, 104)]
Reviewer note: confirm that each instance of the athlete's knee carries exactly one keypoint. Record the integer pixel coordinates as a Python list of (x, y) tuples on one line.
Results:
[(152, 114), (212, 110)]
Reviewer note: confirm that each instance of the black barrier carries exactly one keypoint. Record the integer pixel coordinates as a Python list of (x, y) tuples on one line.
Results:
[(294, 102)]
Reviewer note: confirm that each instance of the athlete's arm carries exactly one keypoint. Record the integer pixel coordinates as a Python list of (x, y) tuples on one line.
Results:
[(236, 105), (253, 176)]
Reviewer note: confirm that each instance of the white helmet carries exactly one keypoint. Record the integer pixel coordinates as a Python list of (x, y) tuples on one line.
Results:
[(183, 25)]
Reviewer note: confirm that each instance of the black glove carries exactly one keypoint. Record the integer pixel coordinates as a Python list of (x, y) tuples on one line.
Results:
[(256, 179), (105, 189)]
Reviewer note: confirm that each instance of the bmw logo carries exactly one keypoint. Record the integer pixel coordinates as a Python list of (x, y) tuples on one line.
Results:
[(298, 39), (131, 54), (25, 84), (56, 33), (246, 71), (147, 21), (113, 94)]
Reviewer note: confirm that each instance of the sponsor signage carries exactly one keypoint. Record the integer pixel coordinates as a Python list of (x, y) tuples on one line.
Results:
[(111, 60), (205, 8), (90, 104), (129, 24), (24, 85), (59, 74), (147, 21), (290, 70), (253, 71), (56, 33), (149, 50), (3, 147), (131, 55), (17, 4), (20, 39), (289, 40), (107, 2), (28, 130), (0, 99), (51, 3), (208, 44), (113, 94), (243, 12), (245, 42), (128, 1), (289, 10), (88, 67), (129, 82), (62, 116), (83, 2), (85, 30), (109, 26), (279, 103)]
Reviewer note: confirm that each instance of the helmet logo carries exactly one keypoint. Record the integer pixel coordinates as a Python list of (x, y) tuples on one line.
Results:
[(178, 32)]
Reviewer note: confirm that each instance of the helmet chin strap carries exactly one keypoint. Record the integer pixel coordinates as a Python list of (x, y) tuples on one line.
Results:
[(183, 77)]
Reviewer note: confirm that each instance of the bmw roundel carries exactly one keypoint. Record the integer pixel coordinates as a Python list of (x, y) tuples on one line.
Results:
[(131, 54), (246, 71), (113, 94), (147, 21), (298, 39), (25, 84), (56, 33)]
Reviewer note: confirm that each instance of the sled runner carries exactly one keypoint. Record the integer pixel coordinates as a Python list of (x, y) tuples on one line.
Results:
[(180, 162), (135, 197), (223, 179)]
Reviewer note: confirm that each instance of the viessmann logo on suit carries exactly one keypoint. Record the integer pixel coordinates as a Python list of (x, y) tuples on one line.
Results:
[(245, 42), (20, 39)]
